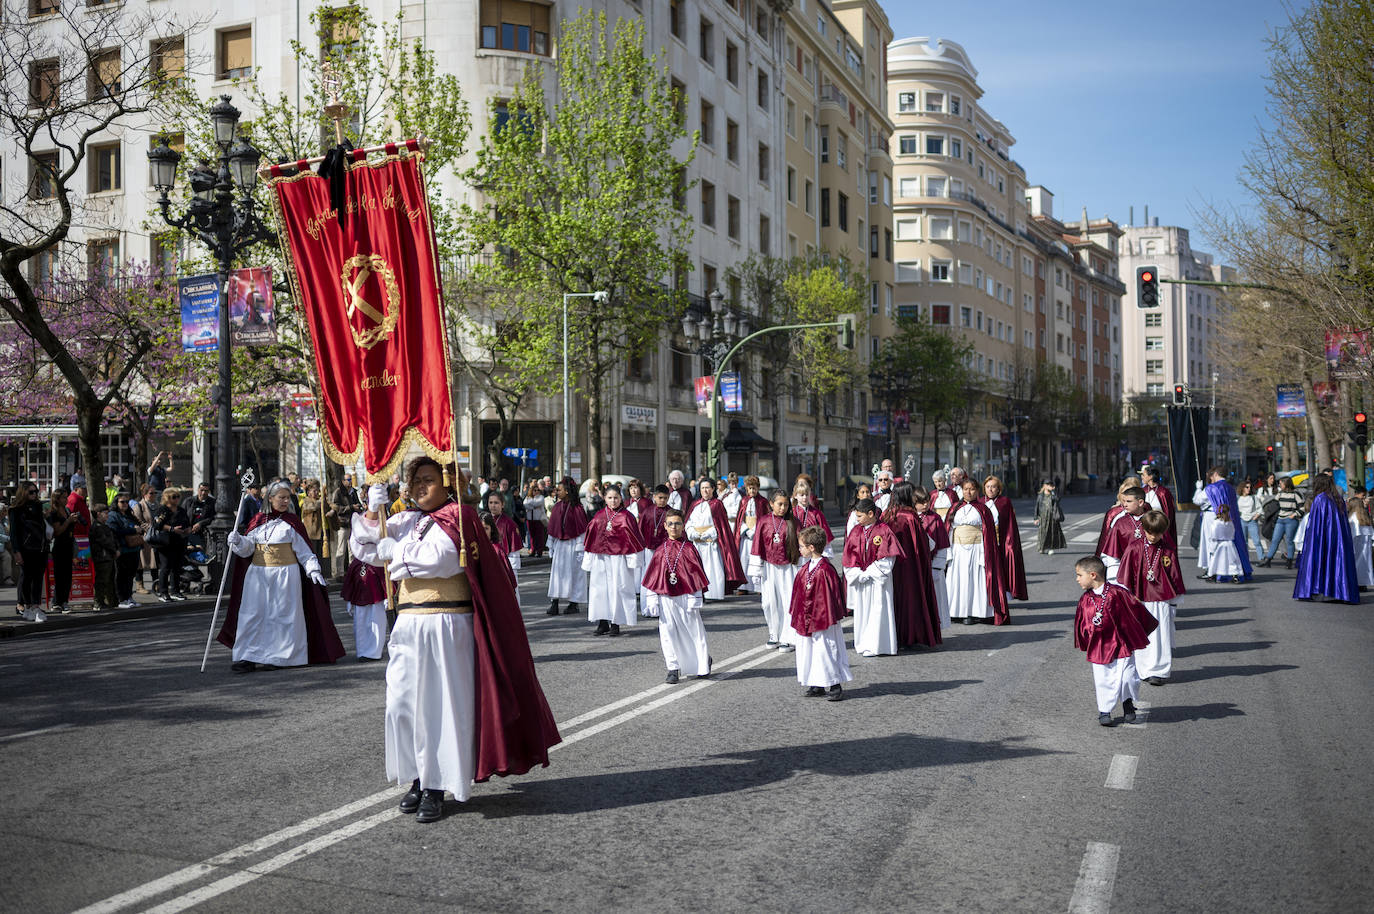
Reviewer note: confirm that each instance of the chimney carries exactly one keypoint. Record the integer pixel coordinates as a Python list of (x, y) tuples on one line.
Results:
[(1131, 220), (1156, 222), (1147, 215)]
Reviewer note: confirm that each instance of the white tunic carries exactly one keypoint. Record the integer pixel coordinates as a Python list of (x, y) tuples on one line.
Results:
[(369, 620), (1362, 538), (681, 633), (1113, 562), (938, 560), (966, 582), (821, 658), (1222, 558), (1156, 659), (614, 584), (731, 500), (567, 580), (1204, 542), (708, 548), (775, 589), (881, 500), (430, 701), (870, 598), (941, 502), (746, 537), (271, 622)]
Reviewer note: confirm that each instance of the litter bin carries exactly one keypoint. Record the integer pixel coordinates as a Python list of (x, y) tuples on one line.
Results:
[(1092, 483)]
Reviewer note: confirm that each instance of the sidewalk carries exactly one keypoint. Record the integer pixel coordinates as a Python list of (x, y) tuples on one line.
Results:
[(11, 625)]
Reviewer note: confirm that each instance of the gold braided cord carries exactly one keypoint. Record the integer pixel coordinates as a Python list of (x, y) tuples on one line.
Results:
[(412, 436)]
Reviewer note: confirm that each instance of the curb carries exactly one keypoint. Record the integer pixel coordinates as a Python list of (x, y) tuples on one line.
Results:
[(20, 628)]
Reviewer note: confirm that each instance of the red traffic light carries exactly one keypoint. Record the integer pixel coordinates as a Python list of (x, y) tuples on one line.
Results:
[(1147, 276), (1360, 417), (1269, 448)]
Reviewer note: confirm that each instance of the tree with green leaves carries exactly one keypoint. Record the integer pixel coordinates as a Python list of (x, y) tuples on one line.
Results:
[(934, 364), (581, 190)]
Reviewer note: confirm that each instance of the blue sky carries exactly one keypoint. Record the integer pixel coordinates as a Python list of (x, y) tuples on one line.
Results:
[(1074, 83)]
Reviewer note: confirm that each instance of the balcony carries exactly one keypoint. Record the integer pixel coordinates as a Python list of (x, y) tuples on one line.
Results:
[(831, 94)]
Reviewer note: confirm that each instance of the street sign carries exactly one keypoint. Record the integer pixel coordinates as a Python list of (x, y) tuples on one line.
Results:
[(525, 457)]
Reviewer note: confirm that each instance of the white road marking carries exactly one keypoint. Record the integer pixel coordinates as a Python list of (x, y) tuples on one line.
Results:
[(134, 646), (1088, 537), (1092, 894), (149, 890), (990, 653), (27, 733), (1121, 774)]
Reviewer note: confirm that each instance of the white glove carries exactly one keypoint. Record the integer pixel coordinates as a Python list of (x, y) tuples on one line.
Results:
[(318, 579), (235, 540), (386, 548), (377, 497), (632, 560), (756, 581), (1198, 486), (586, 562)]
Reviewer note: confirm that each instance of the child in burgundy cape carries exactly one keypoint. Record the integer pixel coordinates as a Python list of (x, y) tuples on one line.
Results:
[(674, 580), (651, 517), (613, 551), (1150, 571), (510, 542), (871, 550), (772, 567), (1110, 626), (817, 610)]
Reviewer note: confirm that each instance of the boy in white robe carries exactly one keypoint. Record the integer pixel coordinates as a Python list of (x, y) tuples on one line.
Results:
[(815, 615), (674, 579)]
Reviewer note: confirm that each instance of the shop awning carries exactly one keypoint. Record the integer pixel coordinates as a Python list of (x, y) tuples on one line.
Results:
[(743, 437)]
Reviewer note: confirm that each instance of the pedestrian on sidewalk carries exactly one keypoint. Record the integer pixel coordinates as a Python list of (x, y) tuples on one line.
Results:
[(1110, 625), (611, 554), (815, 613), (147, 559), (129, 535), (674, 580), (536, 518), (29, 537), (61, 521), (7, 569), (312, 516), (343, 504), (1286, 523), (1151, 572), (104, 555), (168, 533)]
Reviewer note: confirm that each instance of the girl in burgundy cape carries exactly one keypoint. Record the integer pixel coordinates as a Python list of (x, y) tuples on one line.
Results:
[(973, 575), (1150, 571), (913, 590), (1128, 483), (613, 550), (870, 551), (709, 530), (462, 698), (816, 611), (1008, 538), (1110, 625), (652, 532), (675, 579), (934, 526), (508, 542), (567, 526), (753, 507), (278, 607), (1160, 498), (773, 565), (808, 512), (364, 584)]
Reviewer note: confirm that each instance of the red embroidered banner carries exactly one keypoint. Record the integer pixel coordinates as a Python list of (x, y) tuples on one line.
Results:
[(370, 292)]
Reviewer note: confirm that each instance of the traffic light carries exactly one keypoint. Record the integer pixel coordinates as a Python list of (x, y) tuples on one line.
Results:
[(847, 324), (713, 455), (1242, 429), (1180, 395), (1361, 431), (1269, 449), (1147, 286)]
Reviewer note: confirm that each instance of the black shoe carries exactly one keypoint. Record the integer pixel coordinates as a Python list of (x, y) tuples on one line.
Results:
[(411, 801), (553, 609), (1290, 564), (268, 666), (431, 808), (836, 693), (243, 666), (1265, 563), (615, 630), (163, 598), (814, 691), (1105, 719), (1156, 680), (602, 628), (672, 677), (570, 609), (178, 596), (369, 659), (969, 620), (1128, 707)]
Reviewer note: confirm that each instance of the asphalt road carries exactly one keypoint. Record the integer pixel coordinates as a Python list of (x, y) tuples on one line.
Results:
[(973, 778)]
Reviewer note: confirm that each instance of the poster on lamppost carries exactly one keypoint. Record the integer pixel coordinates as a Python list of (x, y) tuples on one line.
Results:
[(199, 299), (731, 395), (877, 423), (1291, 403), (252, 315), (1325, 392), (1347, 353), (901, 420), (703, 388)]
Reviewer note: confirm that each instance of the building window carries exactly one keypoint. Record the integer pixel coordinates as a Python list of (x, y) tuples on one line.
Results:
[(954, 104), (909, 271), (164, 257), (966, 317), (104, 171), (935, 187), (873, 298), (708, 40), (1154, 344), (708, 123), (763, 90), (677, 20), (708, 204), (941, 228), (939, 314), (235, 53), (43, 169), (873, 242), (842, 206), (102, 257), (908, 187), (791, 120), (935, 102), (761, 20), (842, 151), (939, 272), (806, 131), (44, 79), (1154, 319), (169, 59), (104, 77), (679, 99), (680, 190), (807, 188), (1154, 366), (732, 63), (906, 101), (823, 132), (764, 171), (956, 148), (935, 145), (765, 235), (731, 140), (732, 217), (887, 245), (825, 207)]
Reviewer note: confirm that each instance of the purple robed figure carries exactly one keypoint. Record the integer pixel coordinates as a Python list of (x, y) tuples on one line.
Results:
[(1221, 493), (1326, 565)]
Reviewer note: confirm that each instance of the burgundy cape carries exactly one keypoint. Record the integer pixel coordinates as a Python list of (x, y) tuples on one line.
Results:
[(954, 497), (729, 548), (685, 493), (992, 561), (1168, 506), (363, 584), (935, 529), (567, 520), (509, 534), (322, 639), (913, 585), (515, 727), (1120, 535), (865, 545), (763, 545), (685, 561), (812, 517), (760, 512), (651, 526), (1133, 574), (1009, 541), (820, 607), (622, 539), (1107, 519), (1125, 627), (643, 503)]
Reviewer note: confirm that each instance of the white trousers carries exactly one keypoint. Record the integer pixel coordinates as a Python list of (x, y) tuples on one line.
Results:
[(1156, 659), (369, 629), (966, 583), (821, 658), (941, 595), (271, 625), (775, 586), (1115, 682), (682, 635), (430, 706), (746, 554)]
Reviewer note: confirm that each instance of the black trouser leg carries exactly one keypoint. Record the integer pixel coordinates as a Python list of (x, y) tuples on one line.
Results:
[(126, 566), (164, 572), (31, 577), (61, 577)]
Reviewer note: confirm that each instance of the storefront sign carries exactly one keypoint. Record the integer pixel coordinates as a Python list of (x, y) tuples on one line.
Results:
[(644, 416)]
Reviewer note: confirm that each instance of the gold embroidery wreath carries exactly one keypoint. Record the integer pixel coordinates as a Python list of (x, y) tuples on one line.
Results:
[(877, 540), (384, 318)]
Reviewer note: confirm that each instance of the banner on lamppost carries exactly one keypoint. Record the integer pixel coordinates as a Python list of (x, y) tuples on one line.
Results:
[(1347, 353), (704, 398), (901, 420), (731, 394), (877, 422), (1291, 403), (252, 308), (1325, 392), (199, 297)]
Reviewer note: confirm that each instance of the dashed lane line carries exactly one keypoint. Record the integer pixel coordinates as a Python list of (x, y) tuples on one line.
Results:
[(1121, 774), (1092, 894)]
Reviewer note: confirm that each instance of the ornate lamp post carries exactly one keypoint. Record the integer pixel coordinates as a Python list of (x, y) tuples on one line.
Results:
[(891, 385), (227, 225), (715, 331)]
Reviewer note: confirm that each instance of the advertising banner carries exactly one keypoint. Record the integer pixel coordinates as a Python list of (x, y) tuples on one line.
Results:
[(703, 387), (1347, 353), (199, 297), (901, 420), (731, 393), (877, 423), (252, 313), (1291, 404)]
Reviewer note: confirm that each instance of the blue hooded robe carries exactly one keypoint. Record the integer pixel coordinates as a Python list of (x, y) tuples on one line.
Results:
[(1222, 493), (1326, 565)]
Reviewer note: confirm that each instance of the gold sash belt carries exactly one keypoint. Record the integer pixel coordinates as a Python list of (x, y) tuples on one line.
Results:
[(942, 512), (273, 555), (423, 596), (967, 535)]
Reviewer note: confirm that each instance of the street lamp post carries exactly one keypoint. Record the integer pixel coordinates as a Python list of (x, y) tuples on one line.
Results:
[(598, 298), (227, 225), (889, 383)]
